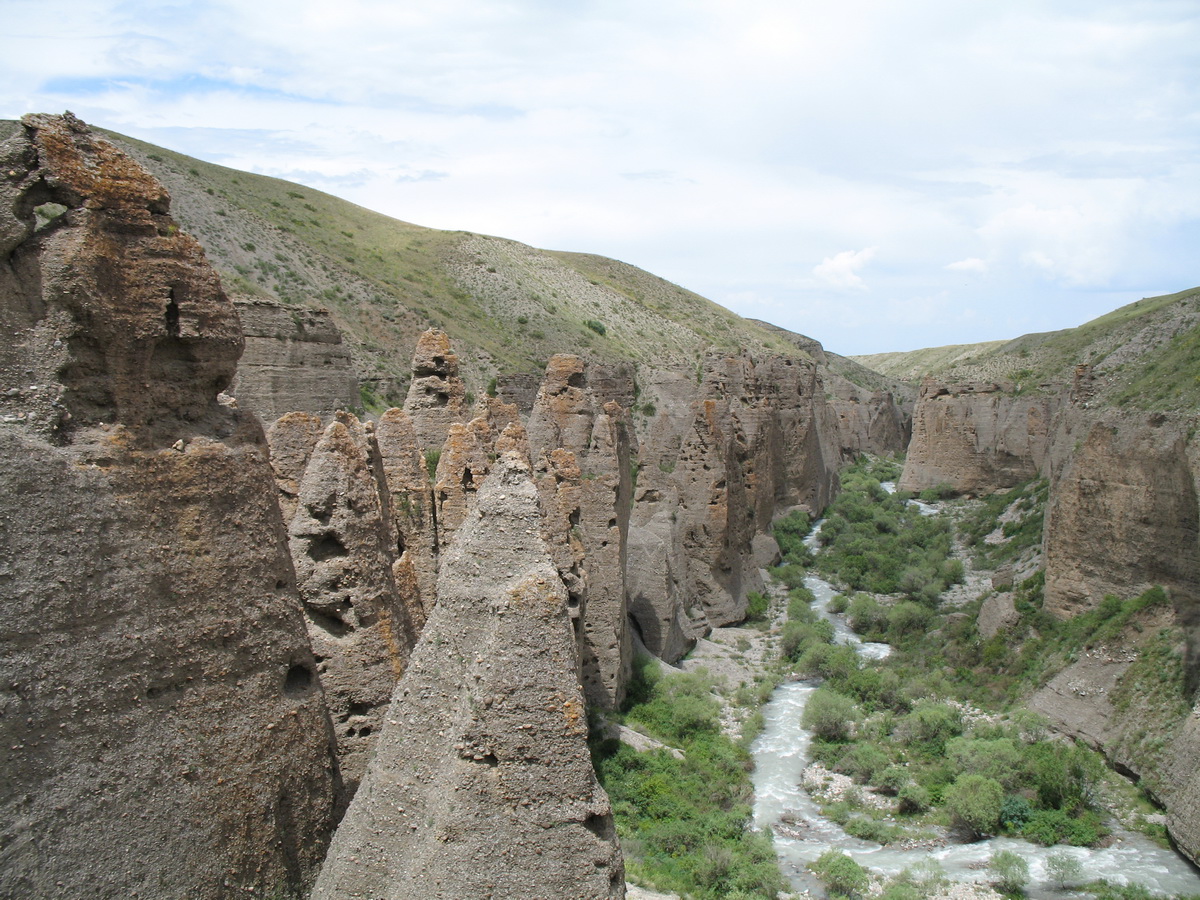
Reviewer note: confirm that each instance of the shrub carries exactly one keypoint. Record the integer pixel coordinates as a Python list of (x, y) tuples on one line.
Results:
[(865, 615), (829, 715), (842, 875), (432, 457), (929, 726), (1010, 871), (974, 801), (757, 606), (1063, 868), (913, 799), (863, 761), (596, 326)]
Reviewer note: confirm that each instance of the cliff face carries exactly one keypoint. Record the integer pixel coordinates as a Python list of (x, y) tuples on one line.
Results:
[(976, 437), (582, 469), (719, 460), (294, 361), (1123, 517), (164, 730), (482, 785)]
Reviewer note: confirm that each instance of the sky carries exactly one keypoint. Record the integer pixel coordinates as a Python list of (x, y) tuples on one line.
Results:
[(877, 175)]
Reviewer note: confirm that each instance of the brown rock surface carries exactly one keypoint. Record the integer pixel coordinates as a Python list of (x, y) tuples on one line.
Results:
[(1123, 517), (292, 438), (411, 503), (583, 475), (719, 460), (482, 785), (294, 361), (976, 437), (164, 733), (436, 396), (361, 630)]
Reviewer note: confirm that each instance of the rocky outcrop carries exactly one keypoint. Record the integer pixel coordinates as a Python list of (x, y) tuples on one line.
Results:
[(582, 469), (868, 421), (1123, 516), (482, 785), (411, 503), (294, 361), (719, 460), (164, 731), (361, 629), (976, 437), (436, 396)]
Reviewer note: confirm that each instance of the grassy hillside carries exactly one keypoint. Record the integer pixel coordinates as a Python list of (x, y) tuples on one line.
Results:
[(1144, 355), (507, 306)]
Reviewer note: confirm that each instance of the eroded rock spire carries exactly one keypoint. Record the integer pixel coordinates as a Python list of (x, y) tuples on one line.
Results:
[(481, 785)]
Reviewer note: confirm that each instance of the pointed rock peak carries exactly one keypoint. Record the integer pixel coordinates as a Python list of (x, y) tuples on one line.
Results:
[(482, 785), (433, 355)]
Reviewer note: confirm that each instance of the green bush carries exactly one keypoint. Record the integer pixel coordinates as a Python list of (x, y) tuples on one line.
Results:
[(913, 798), (840, 874), (1063, 868), (757, 606), (596, 326), (974, 801), (1010, 871), (829, 715)]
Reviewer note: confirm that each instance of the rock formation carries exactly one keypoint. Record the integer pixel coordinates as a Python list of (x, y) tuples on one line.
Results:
[(719, 461), (977, 437), (361, 629), (436, 396), (164, 731), (294, 361), (481, 785), (1123, 516), (582, 462), (868, 421)]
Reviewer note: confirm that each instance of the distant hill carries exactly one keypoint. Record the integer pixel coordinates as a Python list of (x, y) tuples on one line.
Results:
[(507, 306), (1144, 355)]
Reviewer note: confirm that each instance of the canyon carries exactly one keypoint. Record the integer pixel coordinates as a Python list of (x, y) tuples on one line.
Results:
[(261, 637)]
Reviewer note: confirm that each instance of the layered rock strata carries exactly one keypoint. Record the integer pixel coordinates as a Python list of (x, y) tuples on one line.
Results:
[(976, 437), (294, 361), (481, 785), (164, 731), (1123, 516), (582, 469)]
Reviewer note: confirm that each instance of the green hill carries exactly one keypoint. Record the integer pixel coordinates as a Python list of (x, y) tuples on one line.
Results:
[(1144, 355), (507, 306)]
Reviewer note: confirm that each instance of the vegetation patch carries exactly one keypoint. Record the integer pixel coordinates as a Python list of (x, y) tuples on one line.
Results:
[(684, 823)]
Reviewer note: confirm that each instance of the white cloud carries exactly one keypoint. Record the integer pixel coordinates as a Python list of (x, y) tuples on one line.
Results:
[(970, 264), (722, 146), (841, 270)]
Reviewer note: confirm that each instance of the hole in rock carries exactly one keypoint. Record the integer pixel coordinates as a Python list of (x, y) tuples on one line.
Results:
[(327, 546), (299, 679), (172, 315)]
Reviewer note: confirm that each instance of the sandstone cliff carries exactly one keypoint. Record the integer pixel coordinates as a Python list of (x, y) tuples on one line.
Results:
[(976, 437), (164, 731), (582, 460), (294, 361), (482, 785), (717, 462)]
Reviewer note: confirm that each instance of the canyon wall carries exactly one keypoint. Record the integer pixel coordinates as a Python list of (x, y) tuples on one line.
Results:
[(976, 437), (164, 730)]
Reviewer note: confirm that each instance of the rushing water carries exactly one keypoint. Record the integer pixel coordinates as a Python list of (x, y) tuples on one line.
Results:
[(781, 753)]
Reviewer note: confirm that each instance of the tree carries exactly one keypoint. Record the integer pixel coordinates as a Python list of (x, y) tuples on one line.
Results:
[(1010, 871), (1063, 868), (975, 802)]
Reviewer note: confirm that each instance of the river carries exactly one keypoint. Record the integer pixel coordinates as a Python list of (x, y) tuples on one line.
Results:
[(781, 753)]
